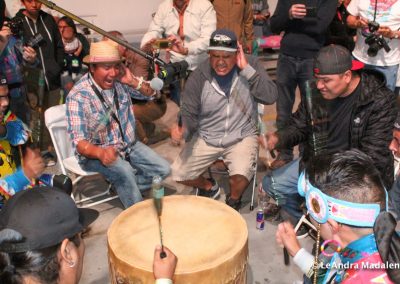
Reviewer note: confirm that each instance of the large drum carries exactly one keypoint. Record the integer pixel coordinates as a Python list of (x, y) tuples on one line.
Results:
[(208, 237)]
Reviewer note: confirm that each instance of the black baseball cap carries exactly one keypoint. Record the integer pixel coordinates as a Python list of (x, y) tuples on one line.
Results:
[(335, 59), (44, 216), (223, 39)]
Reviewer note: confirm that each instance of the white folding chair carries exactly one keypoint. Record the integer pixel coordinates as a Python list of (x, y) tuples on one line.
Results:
[(55, 120)]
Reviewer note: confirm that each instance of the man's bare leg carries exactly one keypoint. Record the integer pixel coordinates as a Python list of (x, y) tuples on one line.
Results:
[(238, 184)]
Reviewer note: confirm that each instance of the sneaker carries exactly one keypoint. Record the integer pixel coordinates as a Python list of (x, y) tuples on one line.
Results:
[(212, 193), (271, 211), (234, 203)]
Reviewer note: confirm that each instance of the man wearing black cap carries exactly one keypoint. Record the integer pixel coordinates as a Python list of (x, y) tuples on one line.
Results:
[(219, 114), (41, 242), (345, 109), (305, 24)]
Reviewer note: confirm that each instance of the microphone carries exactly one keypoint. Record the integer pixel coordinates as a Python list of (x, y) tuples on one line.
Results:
[(173, 71), (156, 84)]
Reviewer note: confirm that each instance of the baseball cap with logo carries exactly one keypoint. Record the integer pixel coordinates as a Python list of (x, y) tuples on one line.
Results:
[(41, 217), (335, 59), (224, 40)]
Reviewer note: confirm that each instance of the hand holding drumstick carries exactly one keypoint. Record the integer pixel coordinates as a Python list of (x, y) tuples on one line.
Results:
[(164, 267)]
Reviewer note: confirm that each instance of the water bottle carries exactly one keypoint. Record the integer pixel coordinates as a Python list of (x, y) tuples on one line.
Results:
[(158, 193), (263, 199)]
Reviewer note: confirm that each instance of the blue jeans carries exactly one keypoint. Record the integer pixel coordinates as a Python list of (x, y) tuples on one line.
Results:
[(390, 73), (291, 72), (175, 92), (281, 185), (133, 176)]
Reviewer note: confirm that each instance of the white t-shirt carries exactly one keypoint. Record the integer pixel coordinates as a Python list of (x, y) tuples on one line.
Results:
[(388, 14)]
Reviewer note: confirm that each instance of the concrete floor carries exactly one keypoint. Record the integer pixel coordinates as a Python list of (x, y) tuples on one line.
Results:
[(265, 264)]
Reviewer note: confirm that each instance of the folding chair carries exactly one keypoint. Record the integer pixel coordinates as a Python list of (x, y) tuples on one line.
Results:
[(56, 123)]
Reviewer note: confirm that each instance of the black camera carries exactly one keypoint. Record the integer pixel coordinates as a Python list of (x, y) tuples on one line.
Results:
[(375, 41), (16, 25), (36, 41)]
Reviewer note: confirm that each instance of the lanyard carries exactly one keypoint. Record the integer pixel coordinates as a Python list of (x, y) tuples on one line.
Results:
[(108, 108)]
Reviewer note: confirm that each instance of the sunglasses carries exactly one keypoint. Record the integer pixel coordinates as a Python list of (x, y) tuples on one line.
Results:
[(224, 43)]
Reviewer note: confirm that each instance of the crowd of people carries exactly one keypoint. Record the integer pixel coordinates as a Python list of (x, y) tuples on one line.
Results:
[(343, 57)]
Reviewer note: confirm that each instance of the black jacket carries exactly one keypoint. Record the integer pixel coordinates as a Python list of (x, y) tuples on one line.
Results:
[(51, 53), (303, 37), (371, 126)]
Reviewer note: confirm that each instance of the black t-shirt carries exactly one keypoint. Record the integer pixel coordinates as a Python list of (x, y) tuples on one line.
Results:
[(339, 116)]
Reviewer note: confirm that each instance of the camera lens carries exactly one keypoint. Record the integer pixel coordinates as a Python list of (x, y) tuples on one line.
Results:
[(373, 50)]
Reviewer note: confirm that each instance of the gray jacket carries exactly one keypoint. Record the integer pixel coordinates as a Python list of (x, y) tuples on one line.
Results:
[(219, 120)]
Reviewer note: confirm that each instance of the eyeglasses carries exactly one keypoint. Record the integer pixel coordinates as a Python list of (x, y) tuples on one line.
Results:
[(224, 43)]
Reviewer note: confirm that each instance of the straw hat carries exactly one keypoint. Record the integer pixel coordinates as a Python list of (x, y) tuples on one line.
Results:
[(102, 52)]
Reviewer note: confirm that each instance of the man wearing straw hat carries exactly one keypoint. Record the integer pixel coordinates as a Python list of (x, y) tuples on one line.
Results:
[(101, 124)]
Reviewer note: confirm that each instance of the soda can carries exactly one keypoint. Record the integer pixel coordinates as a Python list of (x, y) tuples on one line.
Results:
[(260, 219)]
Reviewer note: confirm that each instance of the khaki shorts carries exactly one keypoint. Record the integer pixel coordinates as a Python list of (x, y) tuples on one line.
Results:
[(197, 156)]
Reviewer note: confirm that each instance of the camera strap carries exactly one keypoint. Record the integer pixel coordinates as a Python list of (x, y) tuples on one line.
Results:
[(375, 9), (108, 108)]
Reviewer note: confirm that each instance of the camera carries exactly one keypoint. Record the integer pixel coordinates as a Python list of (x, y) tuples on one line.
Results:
[(16, 25), (162, 43), (36, 41), (375, 41)]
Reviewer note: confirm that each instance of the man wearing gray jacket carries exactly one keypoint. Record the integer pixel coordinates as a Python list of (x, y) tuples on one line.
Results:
[(219, 115)]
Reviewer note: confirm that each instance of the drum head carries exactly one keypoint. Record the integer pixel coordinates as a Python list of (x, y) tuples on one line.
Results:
[(203, 233)]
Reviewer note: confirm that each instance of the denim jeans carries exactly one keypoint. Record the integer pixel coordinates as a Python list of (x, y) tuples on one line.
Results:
[(133, 176), (281, 185), (291, 72), (175, 92), (390, 73)]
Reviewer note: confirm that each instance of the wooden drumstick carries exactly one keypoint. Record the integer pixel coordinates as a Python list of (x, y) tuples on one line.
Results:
[(158, 193), (286, 258)]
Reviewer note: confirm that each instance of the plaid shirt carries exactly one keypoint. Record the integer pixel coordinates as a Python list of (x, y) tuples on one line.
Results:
[(88, 119)]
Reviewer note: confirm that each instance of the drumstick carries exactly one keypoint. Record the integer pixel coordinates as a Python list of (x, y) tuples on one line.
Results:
[(286, 258), (158, 193)]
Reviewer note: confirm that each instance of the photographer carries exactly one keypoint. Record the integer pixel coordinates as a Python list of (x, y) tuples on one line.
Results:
[(188, 25), (378, 45), (12, 60), (50, 50)]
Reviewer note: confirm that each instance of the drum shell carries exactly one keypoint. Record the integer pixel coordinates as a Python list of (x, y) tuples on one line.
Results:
[(194, 265)]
